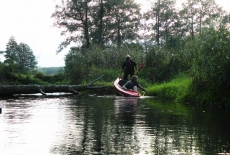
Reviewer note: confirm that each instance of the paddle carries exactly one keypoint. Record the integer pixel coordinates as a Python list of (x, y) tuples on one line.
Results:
[(142, 66)]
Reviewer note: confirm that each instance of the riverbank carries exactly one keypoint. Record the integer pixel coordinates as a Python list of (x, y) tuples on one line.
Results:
[(179, 89), (174, 90)]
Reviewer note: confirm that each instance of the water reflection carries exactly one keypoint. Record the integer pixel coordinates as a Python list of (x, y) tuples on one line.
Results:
[(110, 125), (126, 108)]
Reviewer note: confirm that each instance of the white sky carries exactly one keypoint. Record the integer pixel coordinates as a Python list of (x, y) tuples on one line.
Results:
[(29, 22)]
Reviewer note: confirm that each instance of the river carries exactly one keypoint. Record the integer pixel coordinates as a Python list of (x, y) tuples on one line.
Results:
[(111, 125)]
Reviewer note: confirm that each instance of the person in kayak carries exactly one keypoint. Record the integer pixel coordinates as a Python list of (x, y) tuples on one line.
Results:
[(128, 67), (133, 84)]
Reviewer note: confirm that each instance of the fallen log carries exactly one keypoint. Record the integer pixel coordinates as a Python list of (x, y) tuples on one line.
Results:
[(43, 89)]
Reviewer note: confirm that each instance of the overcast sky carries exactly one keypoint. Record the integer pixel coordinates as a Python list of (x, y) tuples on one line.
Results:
[(29, 22)]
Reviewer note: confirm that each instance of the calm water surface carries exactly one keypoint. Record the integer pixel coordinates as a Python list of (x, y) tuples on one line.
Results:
[(110, 125)]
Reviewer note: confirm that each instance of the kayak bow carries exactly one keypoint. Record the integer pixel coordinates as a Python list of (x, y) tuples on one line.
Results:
[(123, 92)]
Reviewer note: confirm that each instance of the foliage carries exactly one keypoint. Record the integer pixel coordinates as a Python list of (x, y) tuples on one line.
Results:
[(161, 20), (19, 57), (225, 21), (21, 79), (163, 64), (175, 89), (99, 22), (121, 20), (210, 72), (50, 70), (26, 59), (11, 52), (108, 75), (5, 75), (8, 78), (81, 65), (74, 16), (197, 14), (56, 78)]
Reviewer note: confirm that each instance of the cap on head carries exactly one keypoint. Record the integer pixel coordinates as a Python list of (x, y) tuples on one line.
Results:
[(127, 57)]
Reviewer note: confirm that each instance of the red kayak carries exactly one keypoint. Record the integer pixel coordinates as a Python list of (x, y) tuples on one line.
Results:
[(123, 92)]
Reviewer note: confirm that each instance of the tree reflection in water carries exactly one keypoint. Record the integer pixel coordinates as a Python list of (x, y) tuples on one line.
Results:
[(111, 125)]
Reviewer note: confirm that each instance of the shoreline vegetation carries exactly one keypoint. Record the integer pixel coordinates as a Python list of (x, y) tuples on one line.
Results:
[(186, 51), (172, 90), (193, 75)]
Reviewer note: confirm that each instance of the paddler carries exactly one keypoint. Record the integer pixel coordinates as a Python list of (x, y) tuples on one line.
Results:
[(133, 84), (128, 67)]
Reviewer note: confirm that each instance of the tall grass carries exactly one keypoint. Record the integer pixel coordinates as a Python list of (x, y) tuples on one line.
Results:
[(175, 89), (83, 65), (210, 72)]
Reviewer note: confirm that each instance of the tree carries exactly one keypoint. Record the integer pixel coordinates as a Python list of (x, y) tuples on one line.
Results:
[(74, 17), (225, 21), (121, 21), (1, 53), (98, 30), (97, 21), (11, 52), (208, 13), (26, 59), (197, 14), (20, 57), (75, 66), (161, 20)]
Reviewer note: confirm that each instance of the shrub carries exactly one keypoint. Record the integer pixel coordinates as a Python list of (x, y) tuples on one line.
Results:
[(210, 72)]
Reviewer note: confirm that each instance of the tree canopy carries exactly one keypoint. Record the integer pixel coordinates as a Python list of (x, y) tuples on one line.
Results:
[(110, 22), (19, 57), (97, 21)]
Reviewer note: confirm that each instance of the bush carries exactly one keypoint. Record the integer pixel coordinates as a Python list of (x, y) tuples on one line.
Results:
[(165, 64), (56, 78), (83, 65), (210, 72), (25, 79)]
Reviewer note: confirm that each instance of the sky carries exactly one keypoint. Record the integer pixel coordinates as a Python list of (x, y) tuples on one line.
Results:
[(30, 22)]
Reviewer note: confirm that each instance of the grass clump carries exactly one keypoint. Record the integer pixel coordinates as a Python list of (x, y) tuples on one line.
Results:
[(175, 89)]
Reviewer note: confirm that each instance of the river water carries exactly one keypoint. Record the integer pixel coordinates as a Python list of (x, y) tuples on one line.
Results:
[(111, 125)]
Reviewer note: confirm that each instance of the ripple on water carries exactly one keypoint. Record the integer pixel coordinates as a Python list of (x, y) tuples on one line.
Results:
[(109, 125)]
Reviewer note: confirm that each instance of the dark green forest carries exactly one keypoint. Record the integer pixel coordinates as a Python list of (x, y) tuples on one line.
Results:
[(193, 40)]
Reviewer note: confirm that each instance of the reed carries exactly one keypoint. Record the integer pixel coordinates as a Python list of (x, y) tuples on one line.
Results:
[(175, 89)]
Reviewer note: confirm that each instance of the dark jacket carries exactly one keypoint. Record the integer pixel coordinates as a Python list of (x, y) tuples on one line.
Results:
[(130, 84), (129, 66)]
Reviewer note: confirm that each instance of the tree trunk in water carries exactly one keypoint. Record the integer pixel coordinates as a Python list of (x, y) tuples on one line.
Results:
[(43, 89)]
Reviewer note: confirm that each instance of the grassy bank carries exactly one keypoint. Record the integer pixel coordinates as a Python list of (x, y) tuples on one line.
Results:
[(176, 89)]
